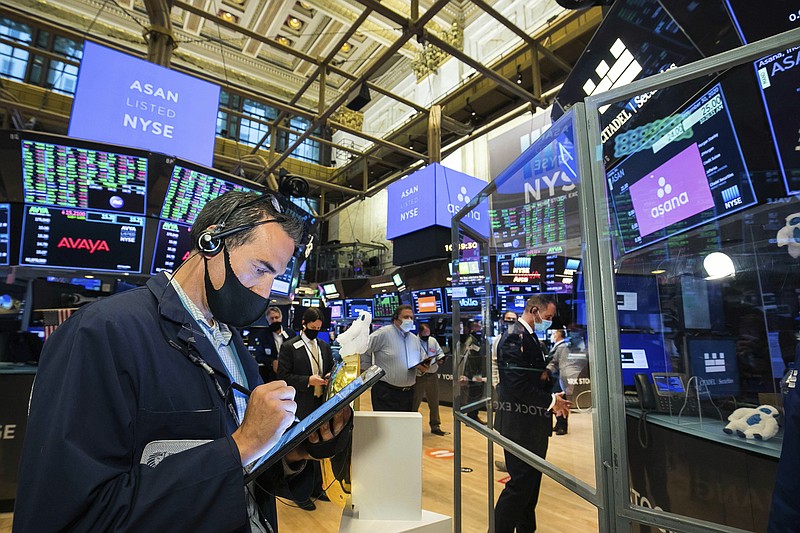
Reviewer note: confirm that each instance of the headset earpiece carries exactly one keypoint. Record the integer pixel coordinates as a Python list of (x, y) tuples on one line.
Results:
[(208, 243)]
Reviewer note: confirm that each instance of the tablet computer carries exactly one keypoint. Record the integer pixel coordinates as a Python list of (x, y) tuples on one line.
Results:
[(430, 360), (301, 430)]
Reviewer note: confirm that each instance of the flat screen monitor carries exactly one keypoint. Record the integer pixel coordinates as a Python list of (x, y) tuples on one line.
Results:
[(4, 233), (692, 172), (336, 308), (173, 246), (329, 288), (90, 284), (470, 299), (78, 238), (354, 305), (79, 175), (758, 20), (713, 361), (427, 301), (642, 354), (385, 304), (285, 284), (513, 297), (324, 336), (191, 187), (778, 81), (124, 99), (397, 279), (638, 305), (305, 302)]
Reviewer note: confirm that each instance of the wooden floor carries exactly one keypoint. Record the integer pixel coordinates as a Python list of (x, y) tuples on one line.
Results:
[(559, 511)]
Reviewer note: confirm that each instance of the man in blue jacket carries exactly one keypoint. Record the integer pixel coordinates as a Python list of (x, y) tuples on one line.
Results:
[(134, 422)]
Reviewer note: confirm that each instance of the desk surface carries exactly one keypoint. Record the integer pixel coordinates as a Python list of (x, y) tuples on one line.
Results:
[(711, 429), (17, 368)]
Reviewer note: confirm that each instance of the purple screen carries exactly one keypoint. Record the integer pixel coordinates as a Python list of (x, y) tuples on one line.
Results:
[(673, 192), (412, 203), (143, 105)]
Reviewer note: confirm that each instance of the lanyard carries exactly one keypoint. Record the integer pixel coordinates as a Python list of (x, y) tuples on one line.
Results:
[(316, 358)]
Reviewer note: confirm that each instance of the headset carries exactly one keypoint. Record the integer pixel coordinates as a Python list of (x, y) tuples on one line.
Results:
[(211, 241)]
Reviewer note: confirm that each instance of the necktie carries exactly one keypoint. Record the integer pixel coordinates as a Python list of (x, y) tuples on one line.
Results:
[(315, 355)]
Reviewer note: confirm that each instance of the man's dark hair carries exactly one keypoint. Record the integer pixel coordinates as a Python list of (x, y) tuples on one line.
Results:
[(235, 209), (509, 311), (312, 314), (400, 309), (542, 301), (420, 325)]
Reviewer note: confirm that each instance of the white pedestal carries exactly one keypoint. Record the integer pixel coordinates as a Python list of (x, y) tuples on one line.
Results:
[(387, 477), (387, 466)]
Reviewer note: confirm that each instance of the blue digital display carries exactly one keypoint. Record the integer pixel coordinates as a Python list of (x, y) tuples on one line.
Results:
[(713, 362), (143, 105), (353, 306), (642, 353)]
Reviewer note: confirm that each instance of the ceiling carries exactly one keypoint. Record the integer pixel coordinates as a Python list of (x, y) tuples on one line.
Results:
[(275, 50)]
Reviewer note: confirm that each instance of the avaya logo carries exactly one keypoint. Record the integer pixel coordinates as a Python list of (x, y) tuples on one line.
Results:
[(84, 244)]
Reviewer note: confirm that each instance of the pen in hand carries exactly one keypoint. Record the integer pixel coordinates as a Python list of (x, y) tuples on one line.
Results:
[(244, 390)]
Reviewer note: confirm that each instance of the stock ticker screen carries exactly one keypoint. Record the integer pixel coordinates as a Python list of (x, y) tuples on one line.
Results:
[(173, 246), (779, 82), (692, 173), (83, 178), (190, 190), (76, 238), (385, 304)]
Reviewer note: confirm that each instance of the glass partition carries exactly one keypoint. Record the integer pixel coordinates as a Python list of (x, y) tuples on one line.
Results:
[(509, 363), (696, 211)]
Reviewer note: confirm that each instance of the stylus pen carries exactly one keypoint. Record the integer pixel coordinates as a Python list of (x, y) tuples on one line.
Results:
[(244, 390)]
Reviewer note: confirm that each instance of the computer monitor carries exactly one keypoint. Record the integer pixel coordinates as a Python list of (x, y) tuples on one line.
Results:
[(336, 308), (713, 361), (385, 304), (354, 305), (642, 354), (427, 301)]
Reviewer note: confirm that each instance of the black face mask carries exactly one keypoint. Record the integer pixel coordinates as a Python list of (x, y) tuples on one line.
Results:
[(311, 333), (424, 338), (509, 321), (233, 303), (275, 327)]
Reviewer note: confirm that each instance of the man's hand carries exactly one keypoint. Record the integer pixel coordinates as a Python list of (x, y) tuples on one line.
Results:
[(326, 432), (562, 406), (315, 380), (270, 411), (424, 367)]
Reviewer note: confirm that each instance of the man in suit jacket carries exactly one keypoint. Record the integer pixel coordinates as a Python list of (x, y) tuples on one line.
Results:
[(305, 363), (269, 347), (527, 404)]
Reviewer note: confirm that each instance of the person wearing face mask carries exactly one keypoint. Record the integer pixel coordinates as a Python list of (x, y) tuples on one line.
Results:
[(398, 351), (305, 363), (471, 367), (267, 351), (148, 408), (428, 382), (527, 405)]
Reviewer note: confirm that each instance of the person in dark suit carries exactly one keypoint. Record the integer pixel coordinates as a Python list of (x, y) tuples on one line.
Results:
[(270, 344), (527, 406), (305, 363)]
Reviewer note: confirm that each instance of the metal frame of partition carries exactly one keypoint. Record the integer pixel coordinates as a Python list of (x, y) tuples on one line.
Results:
[(611, 495)]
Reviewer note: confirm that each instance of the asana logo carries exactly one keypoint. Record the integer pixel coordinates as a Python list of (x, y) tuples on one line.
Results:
[(673, 192), (99, 245)]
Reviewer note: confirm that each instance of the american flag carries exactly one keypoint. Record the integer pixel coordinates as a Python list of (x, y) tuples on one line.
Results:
[(53, 318)]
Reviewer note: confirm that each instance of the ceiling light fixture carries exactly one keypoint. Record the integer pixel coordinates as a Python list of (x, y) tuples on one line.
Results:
[(519, 75), (346, 47), (280, 39), (294, 23), (227, 16), (470, 109), (305, 5)]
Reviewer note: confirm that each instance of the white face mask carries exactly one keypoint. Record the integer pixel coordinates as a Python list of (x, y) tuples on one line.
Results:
[(407, 325)]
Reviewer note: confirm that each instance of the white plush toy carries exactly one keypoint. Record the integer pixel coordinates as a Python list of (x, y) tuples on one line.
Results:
[(760, 423)]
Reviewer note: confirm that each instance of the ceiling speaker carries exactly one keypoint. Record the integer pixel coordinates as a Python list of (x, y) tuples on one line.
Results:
[(358, 98)]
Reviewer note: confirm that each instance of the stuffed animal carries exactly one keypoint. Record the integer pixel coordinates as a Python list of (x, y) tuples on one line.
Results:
[(760, 423)]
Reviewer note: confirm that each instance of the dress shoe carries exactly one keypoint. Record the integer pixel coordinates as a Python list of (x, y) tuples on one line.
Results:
[(501, 466), (323, 498), (561, 431), (438, 431), (306, 505)]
